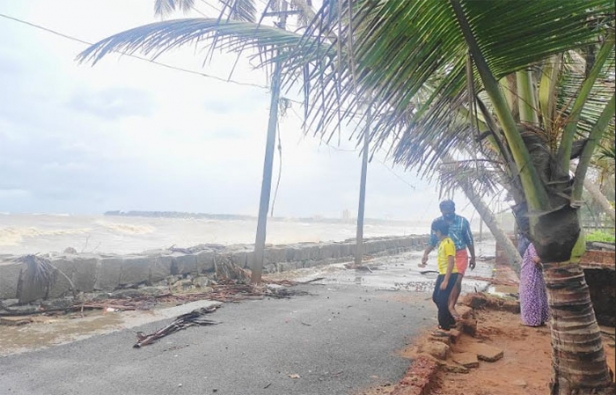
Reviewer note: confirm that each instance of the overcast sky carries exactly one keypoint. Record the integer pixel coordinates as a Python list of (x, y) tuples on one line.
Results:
[(130, 135)]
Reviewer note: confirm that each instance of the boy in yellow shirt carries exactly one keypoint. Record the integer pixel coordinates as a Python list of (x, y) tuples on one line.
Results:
[(448, 274)]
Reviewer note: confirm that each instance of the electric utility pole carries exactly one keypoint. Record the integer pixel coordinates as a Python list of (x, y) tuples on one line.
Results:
[(268, 164), (359, 247)]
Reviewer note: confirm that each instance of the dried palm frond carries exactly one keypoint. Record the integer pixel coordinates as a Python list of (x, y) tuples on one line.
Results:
[(481, 175), (39, 274)]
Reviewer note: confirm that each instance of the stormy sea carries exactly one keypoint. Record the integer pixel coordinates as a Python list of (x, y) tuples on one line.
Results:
[(119, 233)]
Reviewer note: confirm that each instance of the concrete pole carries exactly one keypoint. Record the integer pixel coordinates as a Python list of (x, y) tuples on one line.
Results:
[(359, 246), (268, 164)]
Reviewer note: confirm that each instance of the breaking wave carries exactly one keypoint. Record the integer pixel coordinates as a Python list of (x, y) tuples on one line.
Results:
[(128, 229), (15, 236)]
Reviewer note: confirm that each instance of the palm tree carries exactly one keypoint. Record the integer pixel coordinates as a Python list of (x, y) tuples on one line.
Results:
[(397, 49), (245, 10), (539, 96), (411, 59)]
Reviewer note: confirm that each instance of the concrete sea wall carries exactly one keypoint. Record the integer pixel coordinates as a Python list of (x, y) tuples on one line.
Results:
[(105, 272)]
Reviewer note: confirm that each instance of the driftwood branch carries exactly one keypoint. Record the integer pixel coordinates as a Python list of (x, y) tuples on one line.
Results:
[(183, 321)]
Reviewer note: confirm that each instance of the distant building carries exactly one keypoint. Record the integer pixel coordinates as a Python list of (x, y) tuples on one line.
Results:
[(346, 214)]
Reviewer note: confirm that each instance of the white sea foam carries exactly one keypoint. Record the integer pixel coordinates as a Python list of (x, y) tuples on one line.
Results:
[(15, 236), (124, 228), (28, 233)]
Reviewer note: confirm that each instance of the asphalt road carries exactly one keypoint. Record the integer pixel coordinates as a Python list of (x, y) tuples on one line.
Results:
[(341, 338)]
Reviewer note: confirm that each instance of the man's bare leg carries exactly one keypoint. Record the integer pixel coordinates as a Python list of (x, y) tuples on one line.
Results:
[(453, 297)]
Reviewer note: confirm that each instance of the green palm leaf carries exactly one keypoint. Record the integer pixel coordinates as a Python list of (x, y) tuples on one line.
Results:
[(399, 48), (239, 10), (156, 38), (166, 7)]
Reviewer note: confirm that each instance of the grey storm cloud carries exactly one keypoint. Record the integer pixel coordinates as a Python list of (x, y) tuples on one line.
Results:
[(125, 141)]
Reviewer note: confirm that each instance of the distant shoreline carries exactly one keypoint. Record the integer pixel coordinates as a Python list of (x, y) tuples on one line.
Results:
[(238, 217)]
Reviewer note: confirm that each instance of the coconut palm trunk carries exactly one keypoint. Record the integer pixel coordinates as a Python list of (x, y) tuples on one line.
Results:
[(574, 330), (578, 356)]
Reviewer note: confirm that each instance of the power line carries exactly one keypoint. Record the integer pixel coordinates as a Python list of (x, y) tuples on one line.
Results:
[(176, 68), (195, 9), (155, 62), (354, 150), (218, 10), (396, 174), (72, 38)]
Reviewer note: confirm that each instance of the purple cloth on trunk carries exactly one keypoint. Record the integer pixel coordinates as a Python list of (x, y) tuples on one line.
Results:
[(533, 296)]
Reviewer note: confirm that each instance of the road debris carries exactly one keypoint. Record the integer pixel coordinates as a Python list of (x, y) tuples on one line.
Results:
[(226, 291), (195, 317)]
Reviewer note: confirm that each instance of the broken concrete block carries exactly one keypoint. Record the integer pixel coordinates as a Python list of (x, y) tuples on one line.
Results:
[(454, 335), (441, 337), (485, 352), (436, 349), (205, 261), (10, 273), (466, 359), (185, 263), (454, 368), (468, 326)]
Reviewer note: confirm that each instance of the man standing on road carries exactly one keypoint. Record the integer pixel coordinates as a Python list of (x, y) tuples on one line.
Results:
[(460, 233)]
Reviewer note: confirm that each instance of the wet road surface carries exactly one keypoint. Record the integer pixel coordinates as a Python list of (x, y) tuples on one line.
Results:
[(344, 336)]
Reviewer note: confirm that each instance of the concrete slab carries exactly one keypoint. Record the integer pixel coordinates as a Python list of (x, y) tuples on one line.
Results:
[(134, 269), (454, 367), (9, 278), (159, 267), (80, 270), (466, 359), (485, 352), (435, 348)]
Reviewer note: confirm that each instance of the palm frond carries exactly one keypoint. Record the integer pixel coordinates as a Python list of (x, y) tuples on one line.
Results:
[(400, 48), (478, 175), (608, 153), (156, 38), (39, 273), (569, 86), (239, 10), (165, 7), (306, 12)]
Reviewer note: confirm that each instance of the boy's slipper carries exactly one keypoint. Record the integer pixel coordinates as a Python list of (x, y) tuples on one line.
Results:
[(440, 333)]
